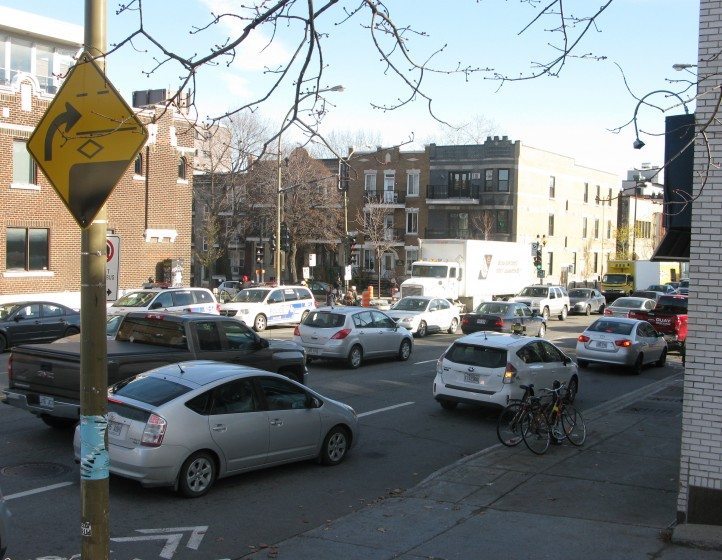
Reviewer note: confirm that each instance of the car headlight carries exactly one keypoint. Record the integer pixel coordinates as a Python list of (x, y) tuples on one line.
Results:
[(243, 311), (407, 320)]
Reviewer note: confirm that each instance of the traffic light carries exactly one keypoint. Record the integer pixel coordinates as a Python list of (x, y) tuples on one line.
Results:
[(538, 259), (352, 260), (343, 176), (260, 252), (285, 238), (272, 242)]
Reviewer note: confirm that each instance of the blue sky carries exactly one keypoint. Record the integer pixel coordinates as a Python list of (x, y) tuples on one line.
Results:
[(571, 114)]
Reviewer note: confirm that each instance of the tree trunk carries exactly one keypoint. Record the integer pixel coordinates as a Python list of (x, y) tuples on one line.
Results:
[(291, 263), (378, 259)]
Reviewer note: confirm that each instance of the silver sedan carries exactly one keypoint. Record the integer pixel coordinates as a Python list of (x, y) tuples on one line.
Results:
[(624, 342), (187, 424), (352, 334), (622, 306), (586, 301)]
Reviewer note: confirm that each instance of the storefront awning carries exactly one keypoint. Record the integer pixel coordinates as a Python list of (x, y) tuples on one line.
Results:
[(674, 247)]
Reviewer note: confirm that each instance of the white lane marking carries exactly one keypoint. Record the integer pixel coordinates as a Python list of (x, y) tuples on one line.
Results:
[(383, 409), (38, 490), (426, 361)]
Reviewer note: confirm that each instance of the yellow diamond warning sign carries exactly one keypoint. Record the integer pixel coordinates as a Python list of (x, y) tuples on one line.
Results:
[(86, 140)]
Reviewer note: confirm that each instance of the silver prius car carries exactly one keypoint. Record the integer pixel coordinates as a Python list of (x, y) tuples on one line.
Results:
[(621, 341), (352, 334), (187, 424)]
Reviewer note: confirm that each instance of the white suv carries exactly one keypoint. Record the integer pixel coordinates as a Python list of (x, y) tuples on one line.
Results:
[(196, 300), (545, 300)]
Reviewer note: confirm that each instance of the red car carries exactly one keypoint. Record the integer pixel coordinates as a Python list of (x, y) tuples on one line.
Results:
[(670, 318)]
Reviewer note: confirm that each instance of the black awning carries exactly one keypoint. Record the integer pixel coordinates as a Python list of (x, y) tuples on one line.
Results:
[(674, 247)]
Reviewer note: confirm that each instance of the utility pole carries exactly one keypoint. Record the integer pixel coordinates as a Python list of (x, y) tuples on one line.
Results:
[(94, 485)]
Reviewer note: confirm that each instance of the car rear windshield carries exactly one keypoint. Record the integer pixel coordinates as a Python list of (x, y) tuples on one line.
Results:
[(325, 320), (153, 330), (534, 291), (611, 327), (676, 305), (473, 355), (135, 299), (150, 390), (580, 293)]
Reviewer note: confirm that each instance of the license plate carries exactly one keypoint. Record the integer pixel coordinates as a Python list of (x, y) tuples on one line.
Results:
[(600, 345), (481, 321), (313, 351), (46, 402), (471, 377), (114, 429)]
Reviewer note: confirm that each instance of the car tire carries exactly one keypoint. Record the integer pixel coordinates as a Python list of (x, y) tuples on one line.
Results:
[(422, 330), (260, 323), (448, 405), (58, 423), (542, 330), (572, 389), (638, 365), (545, 313), (662, 359), (70, 331), (601, 309), (3, 344), (355, 357), (405, 350), (335, 446), (454, 326), (197, 475), (588, 310), (563, 314), (583, 364)]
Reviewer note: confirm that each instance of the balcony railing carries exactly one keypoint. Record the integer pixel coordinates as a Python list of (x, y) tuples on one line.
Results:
[(446, 191), (448, 233), (385, 197)]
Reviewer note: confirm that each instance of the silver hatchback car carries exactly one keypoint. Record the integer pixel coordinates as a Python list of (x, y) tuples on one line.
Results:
[(352, 334), (187, 424)]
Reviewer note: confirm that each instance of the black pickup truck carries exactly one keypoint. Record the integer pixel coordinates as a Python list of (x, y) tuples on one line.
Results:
[(45, 378)]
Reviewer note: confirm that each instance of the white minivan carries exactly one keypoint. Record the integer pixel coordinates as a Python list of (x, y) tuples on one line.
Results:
[(194, 300), (263, 307)]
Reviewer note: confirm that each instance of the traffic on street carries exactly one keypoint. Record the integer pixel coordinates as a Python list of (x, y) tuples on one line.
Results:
[(403, 437)]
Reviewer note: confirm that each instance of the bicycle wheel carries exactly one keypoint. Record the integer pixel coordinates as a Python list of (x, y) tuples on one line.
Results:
[(535, 431), (573, 424), (508, 425)]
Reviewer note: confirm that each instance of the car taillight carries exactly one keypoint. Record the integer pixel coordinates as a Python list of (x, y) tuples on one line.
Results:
[(296, 332), (607, 311), (583, 338), (218, 308), (509, 373), (340, 335), (154, 431), (623, 343), (464, 320), (499, 322)]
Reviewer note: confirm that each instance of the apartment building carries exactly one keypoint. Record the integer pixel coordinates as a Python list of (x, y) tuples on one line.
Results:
[(640, 227), (149, 209)]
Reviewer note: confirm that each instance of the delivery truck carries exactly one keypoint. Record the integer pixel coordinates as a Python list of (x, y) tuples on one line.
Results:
[(469, 271), (625, 276)]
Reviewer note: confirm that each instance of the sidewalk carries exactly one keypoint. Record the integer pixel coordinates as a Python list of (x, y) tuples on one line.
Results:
[(613, 498)]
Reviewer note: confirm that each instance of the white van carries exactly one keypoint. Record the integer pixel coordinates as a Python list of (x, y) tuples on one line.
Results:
[(262, 307), (195, 300)]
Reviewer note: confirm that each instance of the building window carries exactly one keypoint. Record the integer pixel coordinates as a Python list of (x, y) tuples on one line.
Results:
[(412, 222), (369, 263), (586, 192), (503, 180), (370, 181), (574, 262), (584, 228), (551, 225), (389, 182), (138, 170), (411, 256), (20, 57), (599, 193), (609, 229), (596, 262), (26, 249), (550, 263), (502, 221), (489, 180), (412, 183), (182, 168), (609, 200), (24, 169), (552, 186), (596, 229)]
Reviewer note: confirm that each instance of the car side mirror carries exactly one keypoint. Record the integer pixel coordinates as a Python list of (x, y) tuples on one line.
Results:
[(156, 305), (263, 343), (313, 402), (566, 360), (18, 318)]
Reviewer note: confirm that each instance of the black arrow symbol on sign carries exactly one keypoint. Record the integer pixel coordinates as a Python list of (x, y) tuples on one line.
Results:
[(69, 118), (108, 292)]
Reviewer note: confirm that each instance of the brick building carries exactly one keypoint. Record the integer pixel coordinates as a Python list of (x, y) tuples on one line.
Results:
[(150, 208)]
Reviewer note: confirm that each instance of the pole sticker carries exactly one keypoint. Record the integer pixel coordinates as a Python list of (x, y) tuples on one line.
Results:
[(94, 459)]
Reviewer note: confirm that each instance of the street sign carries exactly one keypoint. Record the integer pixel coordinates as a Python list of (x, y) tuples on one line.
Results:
[(112, 245), (347, 273), (306, 273), (540, 273), (534, 248), (86, 140), (312, 259)]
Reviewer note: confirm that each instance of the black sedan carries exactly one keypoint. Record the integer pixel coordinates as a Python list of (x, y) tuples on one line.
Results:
[(500, 316), (36, 321)]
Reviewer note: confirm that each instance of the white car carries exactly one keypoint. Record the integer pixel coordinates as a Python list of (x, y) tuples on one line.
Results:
[(545, 300), (262, 307), (422, 315), (194, 300), (488, 368)]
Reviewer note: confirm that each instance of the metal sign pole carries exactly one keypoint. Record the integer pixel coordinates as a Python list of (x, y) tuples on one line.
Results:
[(94, 484)]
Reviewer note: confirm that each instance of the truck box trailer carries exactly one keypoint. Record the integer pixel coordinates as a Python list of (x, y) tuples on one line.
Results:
[(625, 276)]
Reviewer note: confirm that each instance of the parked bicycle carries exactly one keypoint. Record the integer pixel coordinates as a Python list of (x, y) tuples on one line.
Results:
[(508, 425), (551, 419)]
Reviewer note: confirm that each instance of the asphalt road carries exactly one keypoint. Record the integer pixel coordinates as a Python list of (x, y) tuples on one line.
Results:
[(405, 437)]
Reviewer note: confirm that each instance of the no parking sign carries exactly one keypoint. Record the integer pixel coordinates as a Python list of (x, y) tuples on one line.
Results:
[(112, 249)]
